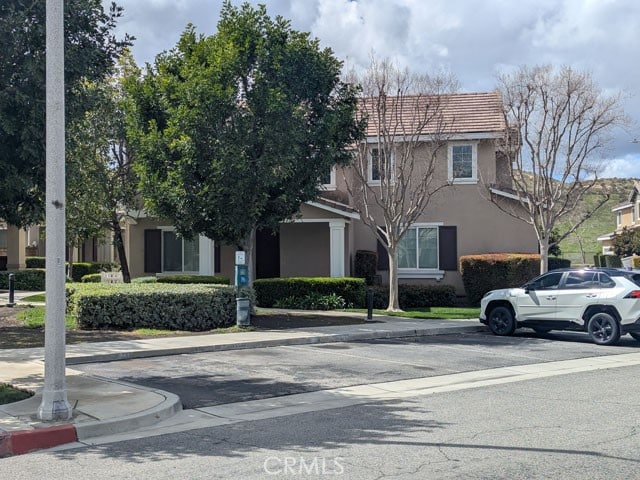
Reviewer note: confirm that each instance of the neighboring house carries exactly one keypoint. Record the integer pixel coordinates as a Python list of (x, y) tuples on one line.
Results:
[(627, 215), (323, 239)]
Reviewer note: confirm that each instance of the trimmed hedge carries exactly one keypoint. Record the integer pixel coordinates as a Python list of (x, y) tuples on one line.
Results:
[(482, 273), (79, 269), (92, 278), (172, 307), (365, 265), (272, 290), (184, 279), (35, 262), (29, 280), (612, 261), (416, 296), (556, 263)]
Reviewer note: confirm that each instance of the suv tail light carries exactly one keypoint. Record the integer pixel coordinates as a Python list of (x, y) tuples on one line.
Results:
[(633, 294)]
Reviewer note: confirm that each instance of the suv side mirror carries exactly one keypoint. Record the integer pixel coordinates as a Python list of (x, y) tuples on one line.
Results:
[(528, 287)]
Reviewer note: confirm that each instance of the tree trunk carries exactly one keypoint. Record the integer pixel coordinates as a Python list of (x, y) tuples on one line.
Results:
[(248, 247), (70, 261), (394, 304), (119, 243), (544, 254)]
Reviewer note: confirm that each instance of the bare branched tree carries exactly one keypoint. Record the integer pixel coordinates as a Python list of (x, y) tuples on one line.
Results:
[(392, 176), (560, 123)]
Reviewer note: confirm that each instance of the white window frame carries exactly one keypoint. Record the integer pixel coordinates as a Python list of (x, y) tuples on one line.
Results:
[(183, 271), (370, 179), (474, 163), (618, 218), (432, 273), (332, 180)]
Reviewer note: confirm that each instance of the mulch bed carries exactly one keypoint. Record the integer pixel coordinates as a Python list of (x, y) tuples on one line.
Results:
[(14, 335)]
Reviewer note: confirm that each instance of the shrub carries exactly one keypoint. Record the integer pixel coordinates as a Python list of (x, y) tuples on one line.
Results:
[(30, 280), (144, 280), (596, 260), (35, 262), (81, 269), (365, 265), (91, 278), (611, 261), (416, 296), (184, 279), (312, 301), (482, 273), (271, 290), (555, 263), (171, 307)]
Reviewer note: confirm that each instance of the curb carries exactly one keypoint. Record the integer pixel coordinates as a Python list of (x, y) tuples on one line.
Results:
[(317, 339), (163, 411), (19, 442)]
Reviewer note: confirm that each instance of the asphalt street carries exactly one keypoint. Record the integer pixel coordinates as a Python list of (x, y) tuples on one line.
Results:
[(579, 426), (235, 376)]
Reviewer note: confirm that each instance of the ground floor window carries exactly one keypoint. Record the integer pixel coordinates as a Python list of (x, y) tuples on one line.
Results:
[(179, 254), (418, 249)]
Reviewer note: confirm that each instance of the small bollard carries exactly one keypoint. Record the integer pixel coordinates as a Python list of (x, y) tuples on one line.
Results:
[(12, 288), (369, 304), (242, 312)]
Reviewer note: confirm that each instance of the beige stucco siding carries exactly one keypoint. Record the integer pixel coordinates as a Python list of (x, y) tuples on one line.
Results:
[(304, 250)]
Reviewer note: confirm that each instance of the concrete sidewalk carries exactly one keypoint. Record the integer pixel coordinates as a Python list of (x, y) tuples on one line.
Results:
[(105, 407)]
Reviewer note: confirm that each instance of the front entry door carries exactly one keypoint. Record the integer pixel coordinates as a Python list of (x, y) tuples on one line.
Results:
[(267, 253)]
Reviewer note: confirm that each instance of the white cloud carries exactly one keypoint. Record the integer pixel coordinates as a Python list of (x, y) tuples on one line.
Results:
[(625, 167), (473, 40)]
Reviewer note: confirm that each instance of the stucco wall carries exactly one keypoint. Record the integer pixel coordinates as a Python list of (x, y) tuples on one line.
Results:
[(304, 249)]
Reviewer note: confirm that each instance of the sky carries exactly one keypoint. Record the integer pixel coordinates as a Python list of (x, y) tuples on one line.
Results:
[(473, 39)]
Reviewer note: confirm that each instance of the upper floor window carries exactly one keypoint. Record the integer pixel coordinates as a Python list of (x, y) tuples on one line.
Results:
[(378, 166), (463, 163), (329, 179)]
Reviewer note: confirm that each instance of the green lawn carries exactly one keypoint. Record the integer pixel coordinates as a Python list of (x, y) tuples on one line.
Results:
[(446, 313), (34, 318), (34, 298), (9, 394)]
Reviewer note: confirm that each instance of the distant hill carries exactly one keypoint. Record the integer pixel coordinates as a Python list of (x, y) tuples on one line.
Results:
[(584, 242)]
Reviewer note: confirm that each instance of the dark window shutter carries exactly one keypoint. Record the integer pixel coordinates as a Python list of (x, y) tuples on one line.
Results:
[(383, 256), (152, 251), (448, 251), (216, 258)]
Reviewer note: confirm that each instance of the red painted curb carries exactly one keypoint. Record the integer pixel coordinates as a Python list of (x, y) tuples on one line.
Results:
[(24, 441)]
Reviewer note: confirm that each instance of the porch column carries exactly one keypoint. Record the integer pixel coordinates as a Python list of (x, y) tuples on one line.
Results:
[(16, 243), (336, 247), (206, 256)]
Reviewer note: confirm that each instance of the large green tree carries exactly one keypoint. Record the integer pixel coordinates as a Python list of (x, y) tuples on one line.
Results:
[(234, 131), (90, 52), (101, 182)]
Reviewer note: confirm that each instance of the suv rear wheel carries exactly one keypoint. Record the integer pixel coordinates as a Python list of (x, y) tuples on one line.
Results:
[(603, 329), (501, 321)]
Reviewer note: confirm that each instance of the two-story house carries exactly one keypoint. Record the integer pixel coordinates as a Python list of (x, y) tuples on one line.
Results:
[(323, 239), (627, 216)]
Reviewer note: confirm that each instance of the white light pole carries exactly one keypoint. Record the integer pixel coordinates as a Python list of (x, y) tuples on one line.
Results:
[(54, 404)]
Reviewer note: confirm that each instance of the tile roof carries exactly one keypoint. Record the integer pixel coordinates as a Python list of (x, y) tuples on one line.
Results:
[(462, 113)]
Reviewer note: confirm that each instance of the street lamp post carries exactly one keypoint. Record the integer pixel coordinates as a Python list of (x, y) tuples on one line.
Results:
[(54, 405)]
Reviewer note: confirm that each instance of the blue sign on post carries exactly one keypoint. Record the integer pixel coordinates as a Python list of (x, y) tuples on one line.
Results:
[(242, 275)]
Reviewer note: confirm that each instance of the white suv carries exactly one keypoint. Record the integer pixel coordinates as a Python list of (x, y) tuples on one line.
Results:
[(605, 302)]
